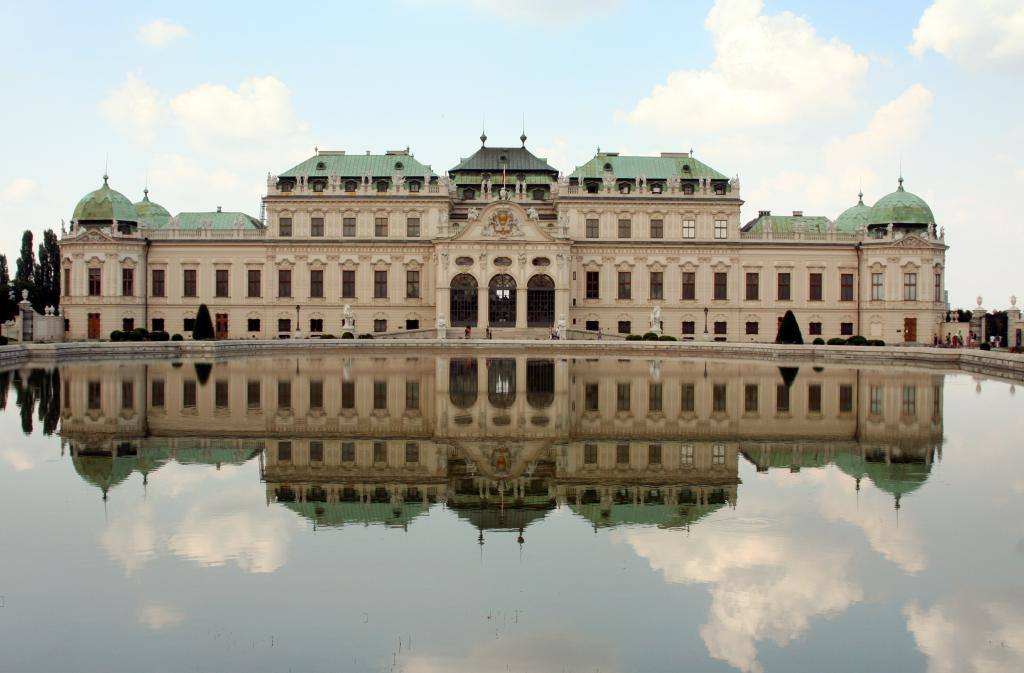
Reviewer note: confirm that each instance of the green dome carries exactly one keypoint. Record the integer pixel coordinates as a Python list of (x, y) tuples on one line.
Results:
[(151, 214), (104, 205), (901, 207), (854, 217)]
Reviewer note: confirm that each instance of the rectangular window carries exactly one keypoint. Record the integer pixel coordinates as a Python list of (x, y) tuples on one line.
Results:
[(380, 394), (721, 328), (188, 324), (688, 398), (189, 284), (622, 397), (348, 284), (814, 328), (593, 228), (284, 226), (718, 454), (253, 394), (625, 285), (721, 229), (593, 284), (348, 227), (221, 393), (158, 324), (689, 327), (845, 398), (846, 328), (221, 283), (316, 394), (654, 454), (877, 287), (592, 325), (412, 227), (254, 283), (254, 324), (654, 398), (782, 398), (157, 393), (785, 292), (127, 282), (412, 452), (591, 396), (316, 325), (590, 454), (380, 325), (316, 451), (67, 283), (188, 394), (95, 284), (622, 454), (284, 325), (689, 285), (814, 287), (380, 227), (127, 395), (846, 287), (938, 287), (753, 286), (689, 229), (348, 395), (625, 229), (284, 394), (412, 284), (721, 285), (380, 284), (625, 327), (657, 285), (718, 397), (412, 395), (348, 452), (127, 324), (751, 328), (750, 401), (657, 228), (284, 452), (159, 289), (910, 287), (316, 283), (316, 227), (814, 398), (284, 282)]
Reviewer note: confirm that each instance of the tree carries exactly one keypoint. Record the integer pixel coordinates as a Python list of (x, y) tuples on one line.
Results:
[(47, 273), (7, 306), (789, 330), (203, 328), (27, 261)]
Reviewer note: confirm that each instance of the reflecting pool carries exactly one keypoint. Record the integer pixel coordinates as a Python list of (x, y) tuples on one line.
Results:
[(509, 514)]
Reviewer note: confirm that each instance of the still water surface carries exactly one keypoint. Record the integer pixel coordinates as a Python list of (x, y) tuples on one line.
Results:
[(429, 514)]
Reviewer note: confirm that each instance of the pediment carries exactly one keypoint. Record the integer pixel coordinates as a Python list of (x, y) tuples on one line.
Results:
[(913, 241), (94, 236), (503, 221)]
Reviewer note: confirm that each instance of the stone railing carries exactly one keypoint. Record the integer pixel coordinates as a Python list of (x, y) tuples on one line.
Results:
[(769, 235), (703, 192), (362, 190), (205, 234)]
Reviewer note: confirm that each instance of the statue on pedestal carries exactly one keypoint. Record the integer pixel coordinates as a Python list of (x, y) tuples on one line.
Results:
[(442, 326), (656, 320), (348, 323)]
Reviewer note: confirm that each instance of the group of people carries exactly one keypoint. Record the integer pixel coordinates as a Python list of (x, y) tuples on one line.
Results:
[(958, 341)]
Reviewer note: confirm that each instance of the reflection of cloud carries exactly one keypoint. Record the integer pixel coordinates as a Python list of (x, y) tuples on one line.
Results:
[(173, 478), (18, 459), (971, 634), (130, 539), (763, 586), (215, 532), (155, 616), (553, 650)]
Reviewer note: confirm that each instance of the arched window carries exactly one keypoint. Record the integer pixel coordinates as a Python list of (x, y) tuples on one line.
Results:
[(501, 301), (540, 301), (463, 300)]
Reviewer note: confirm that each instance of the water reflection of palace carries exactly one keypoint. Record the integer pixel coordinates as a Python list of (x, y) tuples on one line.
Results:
[(501, 440)]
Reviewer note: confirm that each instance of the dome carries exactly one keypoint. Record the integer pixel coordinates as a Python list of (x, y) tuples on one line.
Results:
[(151, 214), (901, 207), (104, 205), (854, 217)]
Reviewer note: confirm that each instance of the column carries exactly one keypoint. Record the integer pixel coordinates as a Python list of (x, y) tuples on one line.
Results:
[(520, 307), (481, 307)]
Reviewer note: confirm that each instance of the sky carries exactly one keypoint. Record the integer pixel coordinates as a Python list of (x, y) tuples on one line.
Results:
[(807, 102)]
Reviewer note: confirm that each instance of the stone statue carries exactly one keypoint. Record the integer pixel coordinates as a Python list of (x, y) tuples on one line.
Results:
[(24, 295), (656, 320), (442, 325), (560, 330), (931, 230), (347, 313), (1013, 300), (609, 180), (473, 214), (397, 179), (979, 301), (503, 193), (532, 213), (563, 224), (942, 232)]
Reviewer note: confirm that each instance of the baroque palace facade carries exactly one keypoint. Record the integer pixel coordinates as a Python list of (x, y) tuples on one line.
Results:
[(623, 244)]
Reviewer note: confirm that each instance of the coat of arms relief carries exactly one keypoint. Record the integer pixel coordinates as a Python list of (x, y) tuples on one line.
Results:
[(503, 224)]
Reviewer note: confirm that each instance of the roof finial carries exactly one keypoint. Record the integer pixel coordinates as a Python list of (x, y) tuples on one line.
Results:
[(900, 188), (522, 137), (106, 165), (483, 131), (860, 192)]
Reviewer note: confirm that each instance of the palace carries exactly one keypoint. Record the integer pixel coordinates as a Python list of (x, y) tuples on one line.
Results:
[(623, 244)]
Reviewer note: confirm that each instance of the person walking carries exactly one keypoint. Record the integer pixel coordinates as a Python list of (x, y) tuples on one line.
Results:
[(468, 332), (488, 333)]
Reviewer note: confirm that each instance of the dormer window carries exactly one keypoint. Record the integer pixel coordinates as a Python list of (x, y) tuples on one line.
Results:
[(592, 188), (399, 166), (688, 189), (382, 186), (538, 195), (285, 186), (321, 166), (468, 194), (414, 186), (318, 186), (350, 186), (656, 188), (608, 167), (686, 168), (720, 189), (624, 188)]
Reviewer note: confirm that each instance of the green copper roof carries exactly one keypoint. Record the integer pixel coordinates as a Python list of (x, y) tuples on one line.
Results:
[(512, 159), (901, 207), (151, 214), (855, 216), (104, 205), (788, 224), (326, 164), (336, 514), (648, 514), (653, 168), (217, 221)]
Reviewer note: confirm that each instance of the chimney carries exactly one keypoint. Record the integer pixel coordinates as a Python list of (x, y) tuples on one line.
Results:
[(218, 209), (798, 213), (764, 213)]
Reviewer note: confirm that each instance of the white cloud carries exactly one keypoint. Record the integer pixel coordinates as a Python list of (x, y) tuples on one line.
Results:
[(131, 539), (161, 32), (544, 12), (155, 616), (980, 633), (17, 191), (767, 70), (972, 31), (18, 459), (134, 108)]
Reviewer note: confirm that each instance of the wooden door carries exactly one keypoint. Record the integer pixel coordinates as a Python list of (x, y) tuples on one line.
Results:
[(94, 325), (910, 330), (221, 325)]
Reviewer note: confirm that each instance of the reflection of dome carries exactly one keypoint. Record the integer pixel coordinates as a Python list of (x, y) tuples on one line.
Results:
[(104, 205), (898, 477), (104, 471), (511, 518), (854, 217), (647, 514), (151, 214), (901, 208)]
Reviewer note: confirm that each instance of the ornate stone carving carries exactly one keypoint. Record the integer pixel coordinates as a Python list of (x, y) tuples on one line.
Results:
[(531, 213), (473, 214), (503, 224)]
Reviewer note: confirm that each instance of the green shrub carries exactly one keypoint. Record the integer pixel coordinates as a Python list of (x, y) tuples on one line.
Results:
[(203, 328), (836, 341), (789, 330), (177, 337), (117, 335), (138, 334), (3, 341), (328, 336), (347, 335), (667, 337), (159, 336), (876, 342), (856, 340), (818, 341), (633, 337), (985, 346), (650, 336), (366, 336)]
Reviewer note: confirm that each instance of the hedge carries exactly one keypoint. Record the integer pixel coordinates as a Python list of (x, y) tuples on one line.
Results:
[(857, 340), (667, 337), (177, 337), (117, 335), (650, 336), (347, 335), (634, 337), (836, 341), (818, 341)]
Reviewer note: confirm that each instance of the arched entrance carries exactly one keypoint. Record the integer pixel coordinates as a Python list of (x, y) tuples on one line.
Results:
[(462, 382), (463, 300), (501, 382), (501, 301), (540, 383), (540, 301)]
